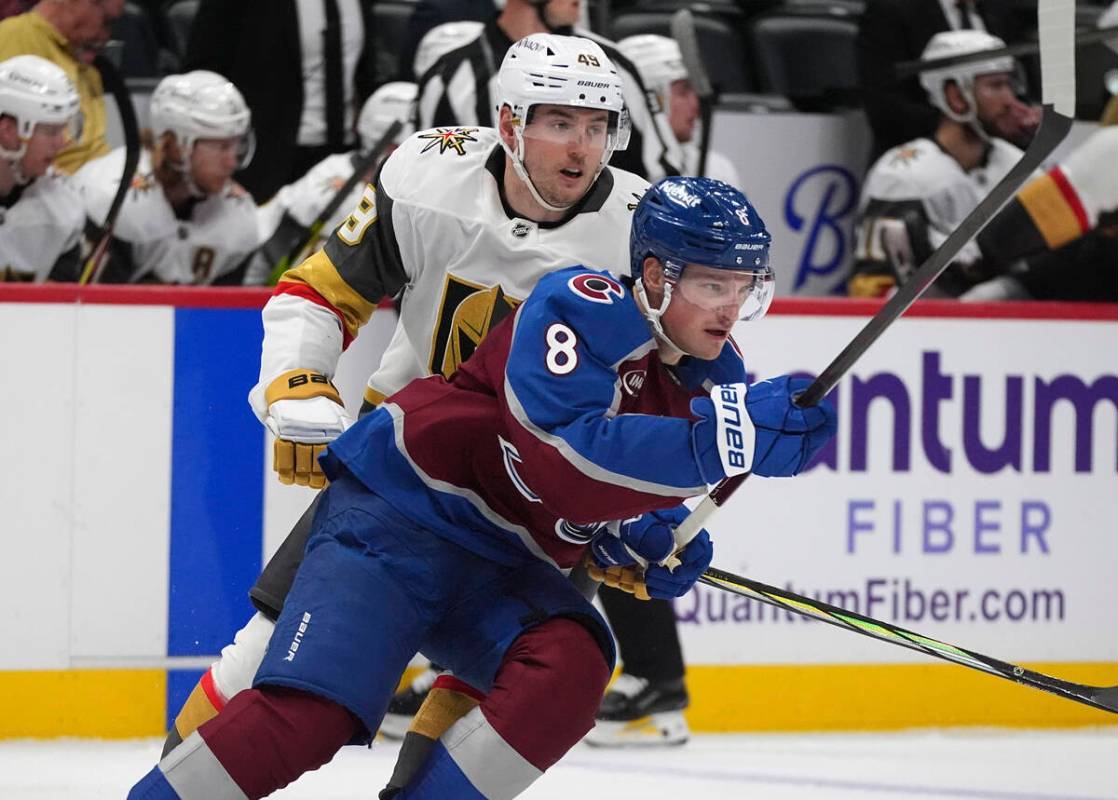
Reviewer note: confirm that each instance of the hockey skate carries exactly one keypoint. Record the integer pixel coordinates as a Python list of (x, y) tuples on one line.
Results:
[(638, 713), (405, 704)]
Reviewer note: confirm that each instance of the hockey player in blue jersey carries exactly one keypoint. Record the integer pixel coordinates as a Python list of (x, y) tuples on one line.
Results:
[(455, 509)]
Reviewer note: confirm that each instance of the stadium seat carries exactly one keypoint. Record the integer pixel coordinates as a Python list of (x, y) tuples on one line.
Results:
[(720, 36), (390, 24), (180, 16), (808, 59), (140, 55)]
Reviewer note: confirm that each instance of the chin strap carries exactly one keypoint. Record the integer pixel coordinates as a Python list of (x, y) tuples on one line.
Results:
[(653, 314), (14, 157), (522, 172)]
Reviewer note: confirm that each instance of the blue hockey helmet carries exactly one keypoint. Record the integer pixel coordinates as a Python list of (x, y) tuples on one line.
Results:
[(685, 221)]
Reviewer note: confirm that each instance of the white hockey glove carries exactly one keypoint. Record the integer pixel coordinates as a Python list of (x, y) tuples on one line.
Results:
[(305, 413)]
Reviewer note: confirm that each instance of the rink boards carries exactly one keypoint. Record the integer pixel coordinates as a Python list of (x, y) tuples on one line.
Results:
[(970, 496)]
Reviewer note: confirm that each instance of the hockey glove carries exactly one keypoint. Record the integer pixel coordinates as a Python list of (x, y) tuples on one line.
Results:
[(772, 437), (305, 413), (649, 538)]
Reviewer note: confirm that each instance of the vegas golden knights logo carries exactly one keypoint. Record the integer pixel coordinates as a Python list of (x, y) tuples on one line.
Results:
[(467, 313)]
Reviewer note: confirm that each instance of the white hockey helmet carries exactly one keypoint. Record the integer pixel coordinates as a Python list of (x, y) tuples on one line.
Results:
[(549, 69), (958, 43), (33, 91), (440, 40), (392, 101), (201, 105), (657, 59)]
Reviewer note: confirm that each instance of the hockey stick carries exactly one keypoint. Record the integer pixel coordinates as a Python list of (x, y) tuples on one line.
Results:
[(907, 69), (1058, 69), (112, 80), (363, 165), (684, 32), (1101, 697)]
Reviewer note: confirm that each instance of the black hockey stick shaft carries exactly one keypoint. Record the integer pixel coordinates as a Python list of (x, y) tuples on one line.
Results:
[(363, 165), (1101, 697), (686, 36), (907, 69), (1053, 128), (114, 83)]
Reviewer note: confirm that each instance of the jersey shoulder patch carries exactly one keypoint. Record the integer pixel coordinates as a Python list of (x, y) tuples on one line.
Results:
[(431, 165)]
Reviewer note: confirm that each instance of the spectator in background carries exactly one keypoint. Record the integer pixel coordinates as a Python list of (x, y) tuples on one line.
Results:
[(285, 220), (9, 8), (430, 14), (660, 64), (916, 194), (69, 33), (184, 221), (894, 31), (41, 217), (303, 66)]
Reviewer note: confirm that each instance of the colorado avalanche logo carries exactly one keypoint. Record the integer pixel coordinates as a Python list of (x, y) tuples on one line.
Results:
[(596, 288), (577, 534)]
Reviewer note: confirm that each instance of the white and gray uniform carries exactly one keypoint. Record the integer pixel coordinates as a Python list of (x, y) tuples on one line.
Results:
[(914, 196), (438, 234), (152, 243), (41, 228)]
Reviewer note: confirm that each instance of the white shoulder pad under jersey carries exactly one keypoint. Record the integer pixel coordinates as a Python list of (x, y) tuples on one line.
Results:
[(219, 234), (469, 259), (44, 223)]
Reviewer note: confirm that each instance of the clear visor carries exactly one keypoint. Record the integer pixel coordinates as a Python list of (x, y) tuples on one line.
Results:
[(242, 147), (68, 131), (746, 295), (597, 131)]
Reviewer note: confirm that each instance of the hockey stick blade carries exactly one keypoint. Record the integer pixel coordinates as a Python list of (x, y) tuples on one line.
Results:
[(1104, 698), (1054, 126)]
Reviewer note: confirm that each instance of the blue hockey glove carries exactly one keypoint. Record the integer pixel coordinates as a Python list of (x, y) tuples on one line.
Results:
[(648, 536), (772, 437), (695, 558)]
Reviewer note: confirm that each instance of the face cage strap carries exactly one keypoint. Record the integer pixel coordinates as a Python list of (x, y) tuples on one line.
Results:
[(522, 171), (653, 314)]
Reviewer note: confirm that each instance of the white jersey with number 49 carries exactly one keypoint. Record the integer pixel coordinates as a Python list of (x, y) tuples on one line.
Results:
[(437, 233)]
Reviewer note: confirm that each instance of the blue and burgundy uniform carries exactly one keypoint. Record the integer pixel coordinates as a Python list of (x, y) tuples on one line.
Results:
[(454, 511)]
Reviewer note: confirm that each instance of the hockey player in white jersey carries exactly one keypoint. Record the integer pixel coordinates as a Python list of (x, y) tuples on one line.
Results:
[(459, 225), (285, 220), (660, 64), (916, 194), (41, 216), (184, 220)]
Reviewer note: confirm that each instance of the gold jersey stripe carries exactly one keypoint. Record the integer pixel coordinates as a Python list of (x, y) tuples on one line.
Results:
[(1050, 212), (319, 273)]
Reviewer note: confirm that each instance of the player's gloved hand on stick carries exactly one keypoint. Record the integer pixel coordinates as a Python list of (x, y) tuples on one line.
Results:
[(760, 430), (305, 413), (650, 538)]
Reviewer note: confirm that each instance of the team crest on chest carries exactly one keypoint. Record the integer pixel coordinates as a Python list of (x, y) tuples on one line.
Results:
[(596, 288), (467, 312), (449, 139)]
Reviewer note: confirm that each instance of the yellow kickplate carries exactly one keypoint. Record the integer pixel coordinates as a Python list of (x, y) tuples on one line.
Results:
[(883, 697), (107, 704)]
